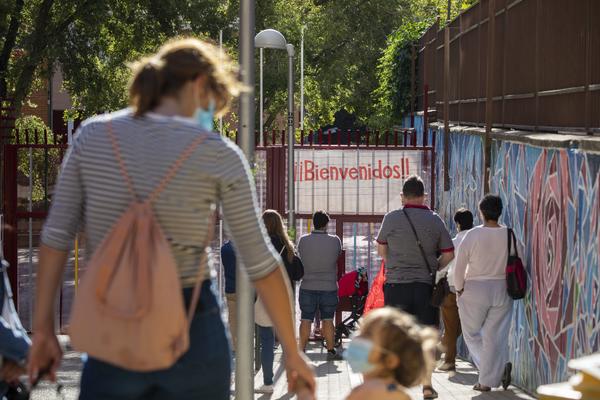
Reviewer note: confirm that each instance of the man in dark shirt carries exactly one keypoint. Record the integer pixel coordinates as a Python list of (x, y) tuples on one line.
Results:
[(228, 260)]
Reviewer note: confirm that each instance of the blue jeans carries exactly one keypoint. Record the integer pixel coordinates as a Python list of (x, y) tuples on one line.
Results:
[(267, 352), (325, 301), (201, 373)]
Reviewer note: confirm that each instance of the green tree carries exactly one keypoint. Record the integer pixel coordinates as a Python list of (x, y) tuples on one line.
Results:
[(92, 40), (343, 41), (38, 165), (391, 99)]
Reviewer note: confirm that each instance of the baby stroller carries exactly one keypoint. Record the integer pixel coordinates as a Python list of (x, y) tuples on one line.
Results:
[(353, 288)]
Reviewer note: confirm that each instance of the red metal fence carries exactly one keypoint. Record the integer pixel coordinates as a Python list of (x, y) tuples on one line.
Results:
[(31, 160), (545, 65)]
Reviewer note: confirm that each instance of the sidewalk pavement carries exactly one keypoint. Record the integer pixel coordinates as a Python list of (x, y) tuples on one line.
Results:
[(334, 380)]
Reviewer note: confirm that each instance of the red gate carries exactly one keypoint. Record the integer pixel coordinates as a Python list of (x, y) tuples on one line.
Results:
[(357, 230), (31, 160)]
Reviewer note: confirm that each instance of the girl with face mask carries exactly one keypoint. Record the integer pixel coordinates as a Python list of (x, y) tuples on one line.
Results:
[(116, 158), (392, 352)]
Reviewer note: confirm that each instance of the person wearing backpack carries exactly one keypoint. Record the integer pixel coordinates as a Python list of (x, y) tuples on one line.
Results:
[(284, 246), (484, 305), (156, 170)]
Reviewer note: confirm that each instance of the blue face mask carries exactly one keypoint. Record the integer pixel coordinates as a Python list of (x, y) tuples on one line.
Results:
[(205, 118), (357, 355)]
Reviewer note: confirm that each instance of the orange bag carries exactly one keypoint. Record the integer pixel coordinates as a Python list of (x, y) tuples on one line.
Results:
[(375, 298), (129, 309)]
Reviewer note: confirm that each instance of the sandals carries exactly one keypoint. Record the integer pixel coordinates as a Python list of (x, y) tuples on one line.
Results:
[(481, 388), (432, 393), (506, 378)]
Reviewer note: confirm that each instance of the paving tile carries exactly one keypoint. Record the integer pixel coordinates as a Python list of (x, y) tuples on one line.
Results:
[(335, 380)]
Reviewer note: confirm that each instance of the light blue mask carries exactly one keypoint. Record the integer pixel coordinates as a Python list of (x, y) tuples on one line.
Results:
[(357, 355), (205, 118)]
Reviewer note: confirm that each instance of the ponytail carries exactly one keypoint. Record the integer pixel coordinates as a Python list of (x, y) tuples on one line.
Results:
[(146, 86)]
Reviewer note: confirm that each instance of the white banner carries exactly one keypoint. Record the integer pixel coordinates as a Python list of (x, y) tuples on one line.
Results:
[(353, 181)]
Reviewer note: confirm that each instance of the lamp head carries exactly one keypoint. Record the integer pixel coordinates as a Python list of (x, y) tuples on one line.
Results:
[(270, 39)]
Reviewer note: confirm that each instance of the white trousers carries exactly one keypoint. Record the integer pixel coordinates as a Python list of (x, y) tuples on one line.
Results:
[(485, 316)]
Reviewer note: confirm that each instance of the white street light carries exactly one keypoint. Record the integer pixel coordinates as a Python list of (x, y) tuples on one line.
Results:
[(272, 39)]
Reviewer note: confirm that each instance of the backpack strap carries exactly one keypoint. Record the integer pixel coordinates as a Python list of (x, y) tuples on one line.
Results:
[(157, 191), (170, 172), (202, 268)]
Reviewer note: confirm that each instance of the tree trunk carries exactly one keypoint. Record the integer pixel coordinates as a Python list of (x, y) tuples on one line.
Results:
[(9, 44), (35, 52)]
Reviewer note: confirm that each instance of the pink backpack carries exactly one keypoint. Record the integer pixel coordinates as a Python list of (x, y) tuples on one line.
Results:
[(129, 309)]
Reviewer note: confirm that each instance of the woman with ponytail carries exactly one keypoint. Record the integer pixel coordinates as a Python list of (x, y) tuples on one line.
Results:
[(175, 95)]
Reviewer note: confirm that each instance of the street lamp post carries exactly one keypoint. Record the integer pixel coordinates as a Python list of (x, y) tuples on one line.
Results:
[(291, 138), (272, 39), (244, 377)]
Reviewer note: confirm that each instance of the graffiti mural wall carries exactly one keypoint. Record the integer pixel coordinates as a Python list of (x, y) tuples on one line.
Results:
[(551, 199), (465, 171)]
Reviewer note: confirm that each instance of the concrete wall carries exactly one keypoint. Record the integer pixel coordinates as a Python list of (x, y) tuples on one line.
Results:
[(550, 186)]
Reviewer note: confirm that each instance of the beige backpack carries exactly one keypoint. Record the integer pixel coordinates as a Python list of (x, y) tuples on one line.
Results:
[(129, 309)]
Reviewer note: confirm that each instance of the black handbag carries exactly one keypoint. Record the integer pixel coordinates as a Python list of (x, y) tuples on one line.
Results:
[(441, 289), (295, 268)]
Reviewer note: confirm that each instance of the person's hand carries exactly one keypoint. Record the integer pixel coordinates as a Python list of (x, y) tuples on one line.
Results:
[(44, 356), (300, 375), (11, 371)]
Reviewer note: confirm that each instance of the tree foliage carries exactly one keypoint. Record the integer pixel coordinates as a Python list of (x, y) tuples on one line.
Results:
[(353, 48), (392, 97), (37, 166), (92, 40)]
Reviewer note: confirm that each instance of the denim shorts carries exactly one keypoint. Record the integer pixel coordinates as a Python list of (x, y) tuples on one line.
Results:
[(311, 300), (201, 373)]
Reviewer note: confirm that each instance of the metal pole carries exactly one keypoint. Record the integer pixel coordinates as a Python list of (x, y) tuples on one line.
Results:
[(302, 78), (291, 138), (261, 127), (489, 102), (244, 374), (221, 56), (31, 281), (447, 106)]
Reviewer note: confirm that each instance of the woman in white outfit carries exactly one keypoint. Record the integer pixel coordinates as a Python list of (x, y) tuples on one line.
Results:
[(483, 302)]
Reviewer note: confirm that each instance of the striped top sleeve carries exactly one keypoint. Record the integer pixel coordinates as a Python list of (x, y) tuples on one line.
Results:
[(91, 192)]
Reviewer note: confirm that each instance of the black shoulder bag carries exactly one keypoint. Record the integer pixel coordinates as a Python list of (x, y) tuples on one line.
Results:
[(440, 289)]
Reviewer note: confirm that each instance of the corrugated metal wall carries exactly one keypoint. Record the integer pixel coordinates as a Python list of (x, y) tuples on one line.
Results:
[(546, 72)]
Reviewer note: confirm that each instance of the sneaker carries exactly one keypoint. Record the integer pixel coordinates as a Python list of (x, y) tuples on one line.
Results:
[(446, 367), (333, 355), (506, 376), (265, 389), (481, 388)]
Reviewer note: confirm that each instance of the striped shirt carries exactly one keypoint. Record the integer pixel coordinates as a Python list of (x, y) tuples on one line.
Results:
[(91, 191)]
